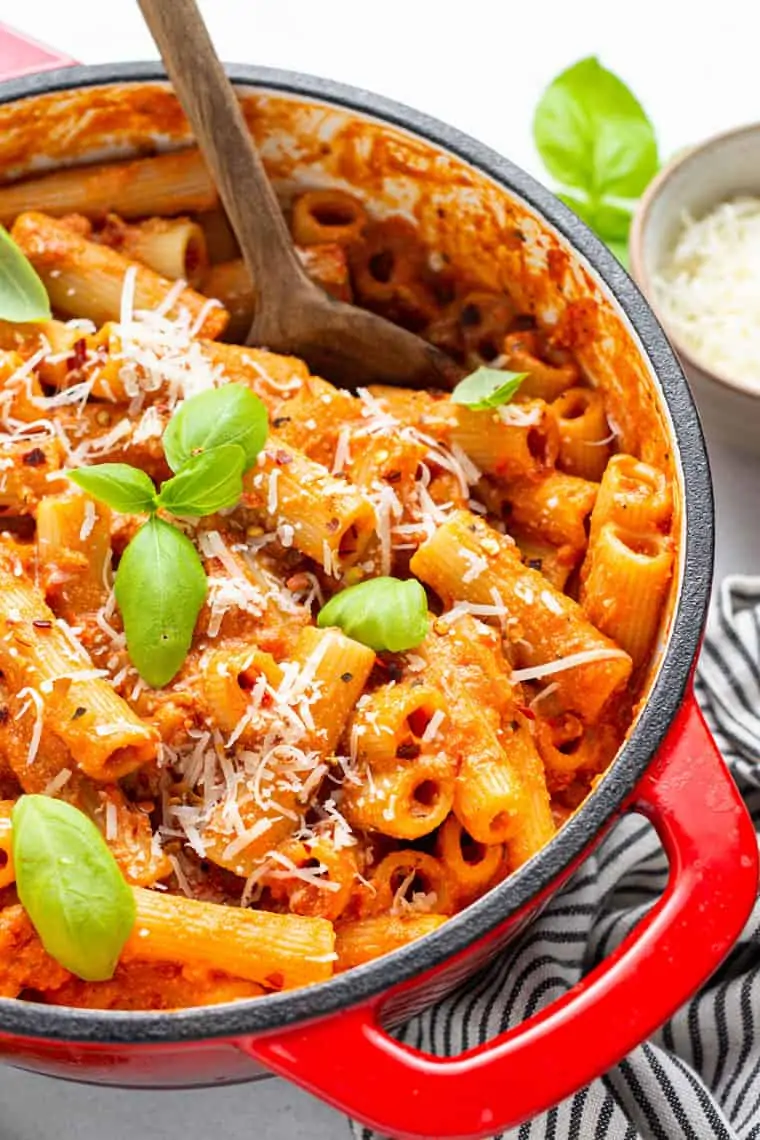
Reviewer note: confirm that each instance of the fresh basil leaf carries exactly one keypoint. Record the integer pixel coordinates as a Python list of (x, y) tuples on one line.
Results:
[(487, 388), (383, 613), (23, 297), (208, 482), (70, 886), (230, 414), (160, 587), (125, 488), (594, 135)]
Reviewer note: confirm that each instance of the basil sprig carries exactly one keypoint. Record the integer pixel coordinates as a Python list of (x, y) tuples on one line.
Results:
[(382, 613), (70, 886), (23, 297), (597, 141), (160, 585), (487, 388)]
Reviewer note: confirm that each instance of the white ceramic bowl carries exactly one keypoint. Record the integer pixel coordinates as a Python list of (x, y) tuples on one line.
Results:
[(722, 167)]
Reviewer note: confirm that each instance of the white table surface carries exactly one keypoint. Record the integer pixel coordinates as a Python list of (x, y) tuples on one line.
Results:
[(480, 65)]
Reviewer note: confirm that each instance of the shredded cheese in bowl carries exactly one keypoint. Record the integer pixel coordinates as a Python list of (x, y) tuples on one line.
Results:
[(708, 289)]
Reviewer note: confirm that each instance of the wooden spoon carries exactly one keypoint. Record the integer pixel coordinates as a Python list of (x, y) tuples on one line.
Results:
[(292, 314)]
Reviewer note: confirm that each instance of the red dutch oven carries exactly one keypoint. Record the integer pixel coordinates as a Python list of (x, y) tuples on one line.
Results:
[(333, 1039)]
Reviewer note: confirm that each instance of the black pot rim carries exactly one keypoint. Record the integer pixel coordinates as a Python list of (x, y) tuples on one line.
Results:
[(478, 920)]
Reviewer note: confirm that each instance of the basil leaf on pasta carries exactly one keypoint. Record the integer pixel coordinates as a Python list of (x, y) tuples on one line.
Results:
[(230, 414), (160, 587), (70, 886), (23, 297), (382, 613), (125, 488), (487, 388)]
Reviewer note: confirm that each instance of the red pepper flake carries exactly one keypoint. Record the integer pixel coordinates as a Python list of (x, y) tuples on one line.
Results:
[(281, 421), (332, 525), (80, 711), (34, 458), (282, 459), (393, 477), (526, 711), (79, 353), (39, 623), (275, 981)]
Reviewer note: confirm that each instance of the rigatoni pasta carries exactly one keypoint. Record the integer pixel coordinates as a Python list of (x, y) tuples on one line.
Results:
[(86, 279), (300, 797)]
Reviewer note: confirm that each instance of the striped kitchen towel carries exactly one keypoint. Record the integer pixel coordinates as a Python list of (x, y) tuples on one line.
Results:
[(698, 1078)]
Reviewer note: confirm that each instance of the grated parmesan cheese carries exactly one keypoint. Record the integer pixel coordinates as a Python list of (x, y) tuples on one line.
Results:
[(89, 520), (35, 699), (59, 781), (112, 828), (708, 289), (572, 661), (433, 726)]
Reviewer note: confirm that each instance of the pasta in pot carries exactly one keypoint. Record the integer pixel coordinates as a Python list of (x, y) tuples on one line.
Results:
[(296, 801)]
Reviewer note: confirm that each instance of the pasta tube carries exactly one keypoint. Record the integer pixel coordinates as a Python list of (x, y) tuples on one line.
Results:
[(472, 867), (279, 951), (332, 673), (634, 495), (466, 560), (63, 690), (625, 581), (327, 216), (74, 532), (173, 247), (390, 724), (163, 184), (84, 279), (584, 434), (405, 802), (368, 938), (231, 283), (522, 353), (500, 791), (327, 519), (404, 880)]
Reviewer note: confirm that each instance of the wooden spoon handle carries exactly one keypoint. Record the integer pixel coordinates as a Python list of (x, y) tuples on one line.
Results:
[(209, 101)]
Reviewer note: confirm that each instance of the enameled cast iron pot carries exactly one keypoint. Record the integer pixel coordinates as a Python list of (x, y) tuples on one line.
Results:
[(332, 1039)]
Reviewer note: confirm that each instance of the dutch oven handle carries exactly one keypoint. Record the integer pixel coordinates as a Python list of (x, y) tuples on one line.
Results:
[(351, 1062)]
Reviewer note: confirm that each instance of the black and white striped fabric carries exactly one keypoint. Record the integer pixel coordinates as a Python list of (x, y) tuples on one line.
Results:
[(698, 1078)]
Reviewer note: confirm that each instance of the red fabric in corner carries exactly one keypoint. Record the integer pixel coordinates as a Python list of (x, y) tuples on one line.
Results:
[(20, 55)]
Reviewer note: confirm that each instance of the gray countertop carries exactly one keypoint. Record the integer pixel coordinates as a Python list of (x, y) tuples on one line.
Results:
[(36, 1108)]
